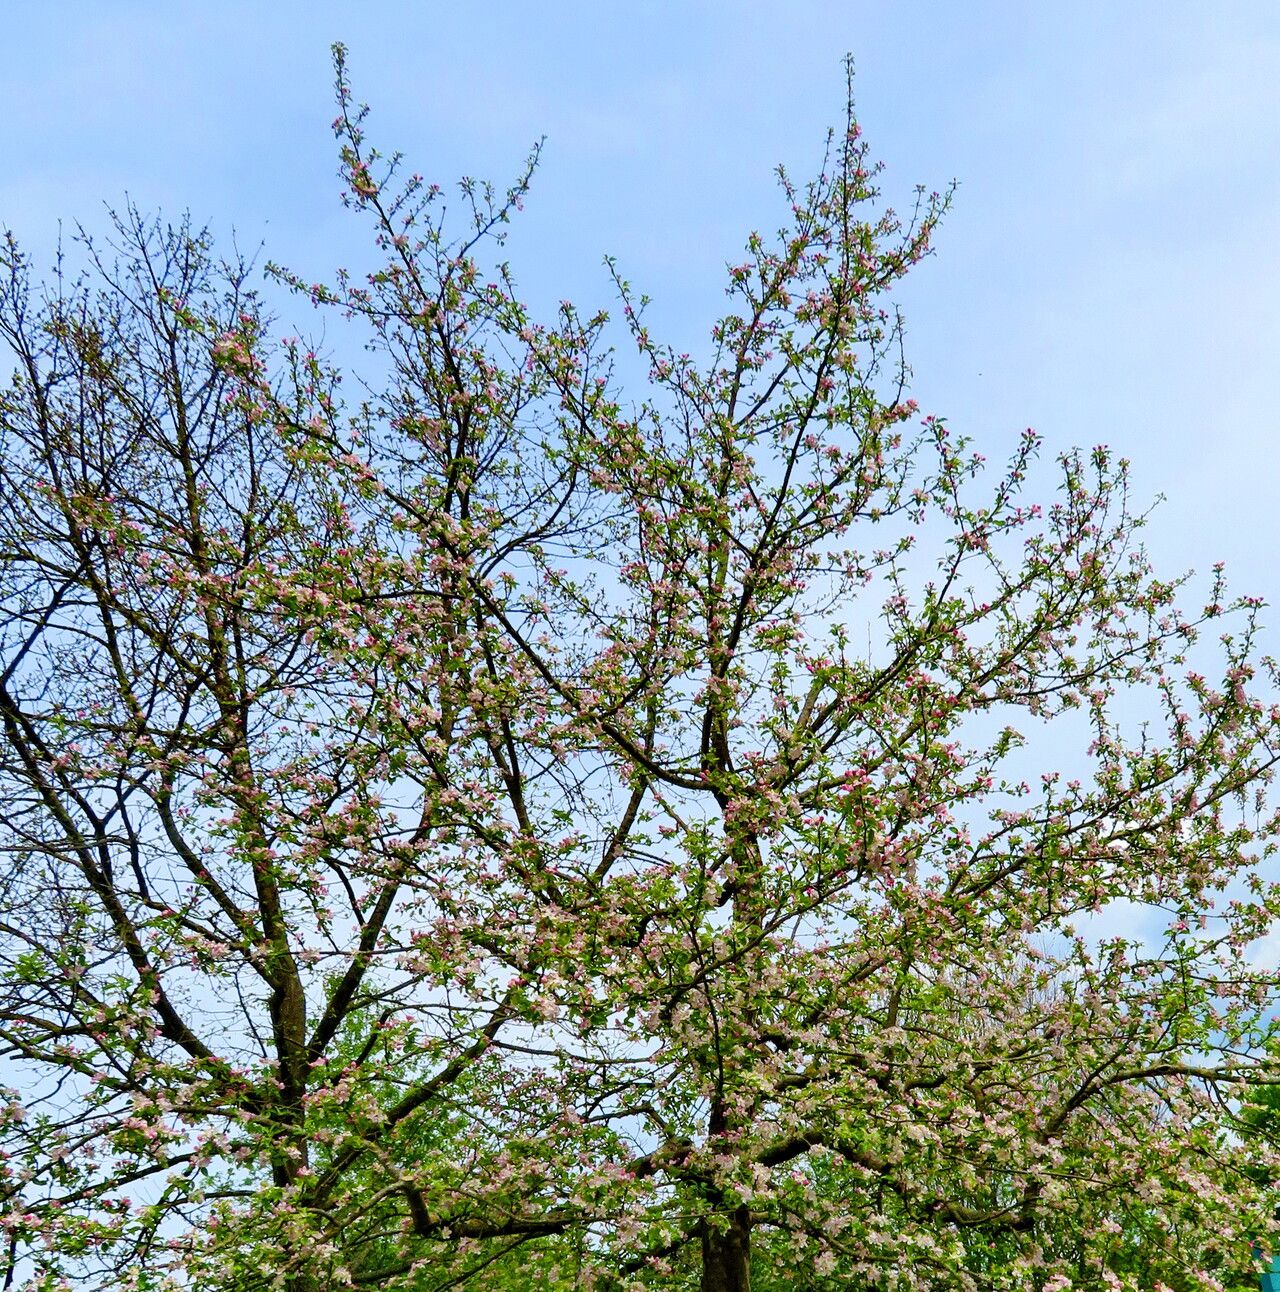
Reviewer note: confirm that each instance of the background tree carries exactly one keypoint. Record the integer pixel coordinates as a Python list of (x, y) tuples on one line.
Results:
[(494, 830)]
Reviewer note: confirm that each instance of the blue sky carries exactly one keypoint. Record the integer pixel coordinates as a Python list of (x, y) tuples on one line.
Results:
[(1110, 272)]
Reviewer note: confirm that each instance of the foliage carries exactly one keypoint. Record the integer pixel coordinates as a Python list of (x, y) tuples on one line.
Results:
[(497, 829)]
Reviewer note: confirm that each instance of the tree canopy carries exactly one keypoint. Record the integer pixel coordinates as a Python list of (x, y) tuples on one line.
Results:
[(486, 823)]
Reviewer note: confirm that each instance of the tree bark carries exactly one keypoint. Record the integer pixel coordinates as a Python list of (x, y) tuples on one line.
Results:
[(726, 1255)]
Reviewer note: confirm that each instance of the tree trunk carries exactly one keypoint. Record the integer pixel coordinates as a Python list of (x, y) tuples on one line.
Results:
[(726, 1255)]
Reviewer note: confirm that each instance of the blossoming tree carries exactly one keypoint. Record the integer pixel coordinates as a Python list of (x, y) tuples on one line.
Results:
[(500, 829)]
